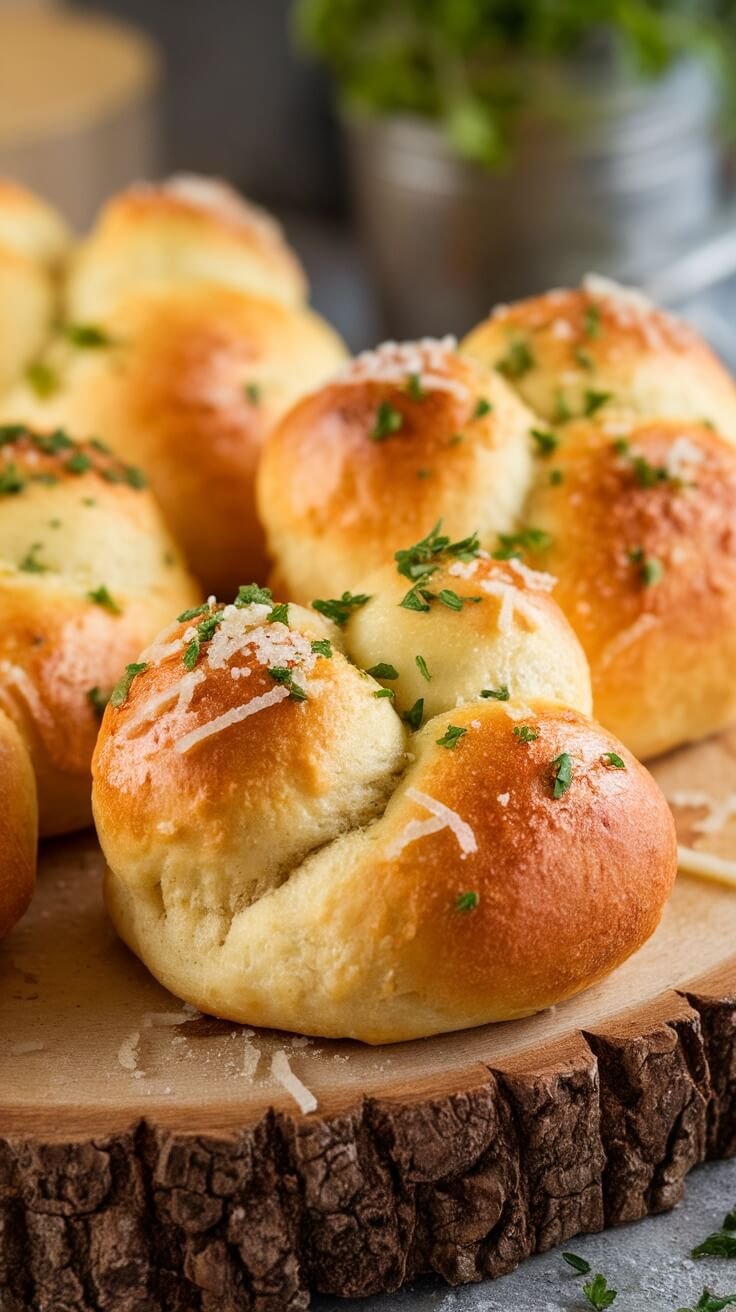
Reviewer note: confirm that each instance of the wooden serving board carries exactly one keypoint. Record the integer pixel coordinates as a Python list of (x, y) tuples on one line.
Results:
[(149, 1159)]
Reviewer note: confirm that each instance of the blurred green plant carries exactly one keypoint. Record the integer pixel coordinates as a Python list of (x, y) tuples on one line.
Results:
[(462, 62)]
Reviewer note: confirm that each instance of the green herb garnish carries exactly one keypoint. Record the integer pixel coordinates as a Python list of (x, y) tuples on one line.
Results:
[(517, 362), (598, 1293), (11, 480), (30, 563), (465, 902), (422, 667), (384, 692), (414, 389), (121, 690), (192, 613), (383, 671), (482, 408), (709, 1302), (253, 393), (250, 594), (79, 463), (42, 379), (283, 675), (592, 320), (322, 647), (556, 476), (578, 1264), (614, 760), (546, 442), (339, 609), (595, 400), (583, 359), (279, 614), (451, 737), (561, 774), (525, 733), (97, 700), (388, 421), (500, 694), (87, 335), (562, 409), (513, 545), (415, 715), (102, 597)]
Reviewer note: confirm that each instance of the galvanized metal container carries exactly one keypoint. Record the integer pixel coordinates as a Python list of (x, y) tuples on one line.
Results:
[(605, 174)]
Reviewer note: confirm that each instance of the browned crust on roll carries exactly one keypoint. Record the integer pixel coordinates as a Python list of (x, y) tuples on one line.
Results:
[(646, 567)]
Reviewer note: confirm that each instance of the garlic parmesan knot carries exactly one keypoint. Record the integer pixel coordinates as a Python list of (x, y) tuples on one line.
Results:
[(583, 433), (382, 816)]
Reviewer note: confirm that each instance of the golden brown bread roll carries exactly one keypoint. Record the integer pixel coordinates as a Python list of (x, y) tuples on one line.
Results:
[(33, 241), (283, 850), (186, 229), (641, 536), (88, 574), (373, 459), (186, 383), (18, 826), (633, 511), (605, 348)]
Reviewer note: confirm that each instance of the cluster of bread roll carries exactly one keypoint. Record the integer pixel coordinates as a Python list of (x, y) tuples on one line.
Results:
[(364, 794)]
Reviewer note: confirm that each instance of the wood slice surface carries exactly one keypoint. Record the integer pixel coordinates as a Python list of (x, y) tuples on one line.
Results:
[(150, 1160)]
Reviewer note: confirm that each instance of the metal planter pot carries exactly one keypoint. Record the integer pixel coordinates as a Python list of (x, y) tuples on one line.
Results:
[(604, 175)]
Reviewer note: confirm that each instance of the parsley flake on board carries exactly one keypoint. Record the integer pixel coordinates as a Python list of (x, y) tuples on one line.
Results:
[(388, 421), (451, 737), (322, 647), (87, 335), (465, 902), (102, 597), (598, 1292), (720, 1244), (546, 442), (614, 760), (561, 774), (499, 694), (517, 361), (383, 671), (421, 665), (709, 1302), (339, 609), (414, 716), (119, 695), (578, 1264), (525, 733)]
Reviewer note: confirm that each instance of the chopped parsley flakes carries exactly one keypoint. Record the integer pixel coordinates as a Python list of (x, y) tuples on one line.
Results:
[(451, 737), (388, 421), (87, 335), (422, 667), (322, 647), (561, 774), (122, 688), (415, 715), (102, 597), (383, 671), (518, 360), (339, 609), (525, 733), (546, 442), (465, 902), (499, 694)]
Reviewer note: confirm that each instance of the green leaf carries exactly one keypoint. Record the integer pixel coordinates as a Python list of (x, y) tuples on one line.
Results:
[(279, 614), (562, 771), (525, 733), (578, 1264), (87, 335), (102, 597), (415, 715), (721, 1244), (465, 902), (383, 671), (614, 760), (122, 688), (339, 609), (709, 1302), (252, 594), (388, 421), (30, 563), (594, 401), (499, 694), (517, 362), (422, 667), (546, 442), (598, 1293), (451, 737), (322, 647)]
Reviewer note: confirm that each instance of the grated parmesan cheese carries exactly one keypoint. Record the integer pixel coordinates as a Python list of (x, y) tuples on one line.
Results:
[(394, 362), (535, 578), (284, 1075), (503, 799), (442, 818), (626, 298)]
